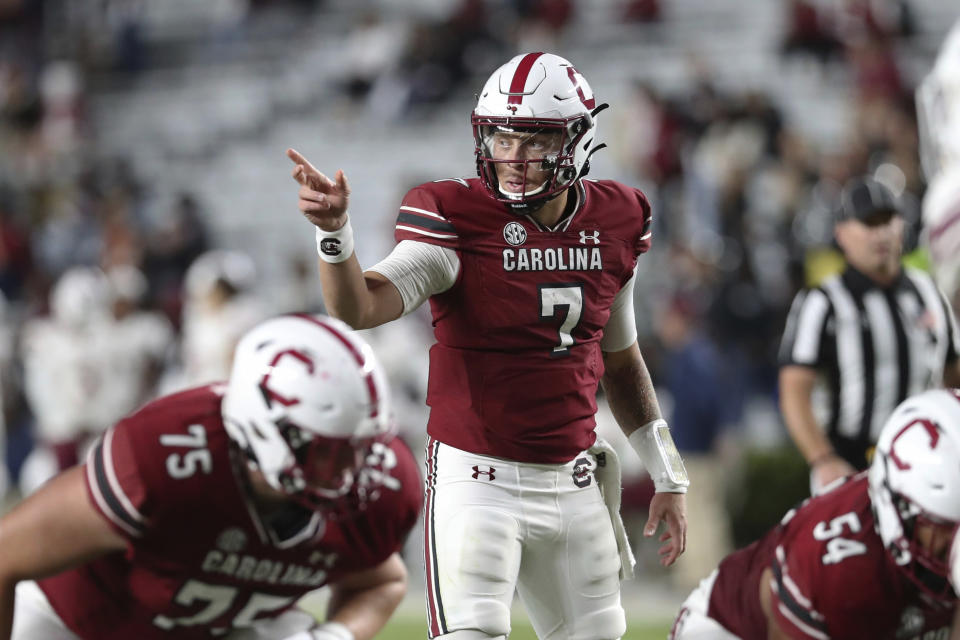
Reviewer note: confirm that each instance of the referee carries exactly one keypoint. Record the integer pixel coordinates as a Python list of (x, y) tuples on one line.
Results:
[(867, 338)]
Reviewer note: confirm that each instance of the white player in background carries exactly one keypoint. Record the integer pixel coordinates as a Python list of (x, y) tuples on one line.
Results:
[(938, 110), (64, 369), (140, 342), (219, 307)]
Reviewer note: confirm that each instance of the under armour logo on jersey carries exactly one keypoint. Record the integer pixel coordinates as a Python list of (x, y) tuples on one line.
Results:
[(593, 237), (514, 233), (477, 472)]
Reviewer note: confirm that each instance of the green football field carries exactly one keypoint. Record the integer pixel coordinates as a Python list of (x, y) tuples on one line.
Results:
[(408, 627), (650, 620)]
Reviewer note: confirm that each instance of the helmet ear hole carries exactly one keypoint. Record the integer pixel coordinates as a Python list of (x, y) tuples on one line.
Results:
[(256, 430)]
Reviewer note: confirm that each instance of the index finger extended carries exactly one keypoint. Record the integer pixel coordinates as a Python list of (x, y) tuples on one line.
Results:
[(297, 158)]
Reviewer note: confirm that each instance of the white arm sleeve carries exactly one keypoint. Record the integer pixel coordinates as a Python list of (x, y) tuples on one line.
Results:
[(621, 329), (419, 270)]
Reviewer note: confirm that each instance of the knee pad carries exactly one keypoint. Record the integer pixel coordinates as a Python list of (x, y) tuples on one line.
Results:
[(478, 570), (606, 624), (592, 555)]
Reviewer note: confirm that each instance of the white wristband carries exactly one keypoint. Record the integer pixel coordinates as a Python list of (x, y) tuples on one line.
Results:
[(335, 246), (332, 631), (654, 444)]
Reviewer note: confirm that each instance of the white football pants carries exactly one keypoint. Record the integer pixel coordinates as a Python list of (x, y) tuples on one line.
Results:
[(493, 526), (692, 622)]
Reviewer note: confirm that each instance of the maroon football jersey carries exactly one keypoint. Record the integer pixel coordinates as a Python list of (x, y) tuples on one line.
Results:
[(199, 558), (832, 578), (515, 369)]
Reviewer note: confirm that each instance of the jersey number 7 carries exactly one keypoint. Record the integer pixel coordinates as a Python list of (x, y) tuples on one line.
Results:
[(563, 300)]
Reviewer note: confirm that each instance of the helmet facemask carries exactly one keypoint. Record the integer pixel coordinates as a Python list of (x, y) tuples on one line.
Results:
[(323, 469), (922, 552), (520, 147)]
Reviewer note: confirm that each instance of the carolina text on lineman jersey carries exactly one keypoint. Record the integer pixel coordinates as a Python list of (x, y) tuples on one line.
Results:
[(265, 570)]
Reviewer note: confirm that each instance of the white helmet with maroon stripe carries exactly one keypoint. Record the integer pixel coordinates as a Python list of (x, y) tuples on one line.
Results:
[(914, 484), (536, 93), (306, 399)]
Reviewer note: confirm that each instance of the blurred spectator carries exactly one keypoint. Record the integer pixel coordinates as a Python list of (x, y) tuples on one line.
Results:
[(61, 94), (656, 135), (371, 49), (8, 387), (122, 242), (15, 250), (219, 308), (180, 238), (542, 23), (695, 375), (138, 348), (642, 11), (875, 70), (651, 142), (125, 17), (300, 290), (883, 19), (810, 31), (65, 372)]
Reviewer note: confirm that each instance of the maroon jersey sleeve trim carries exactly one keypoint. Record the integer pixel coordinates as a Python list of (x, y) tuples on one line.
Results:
[(796, 608), (427, 223), (646, 232), (107, 493)]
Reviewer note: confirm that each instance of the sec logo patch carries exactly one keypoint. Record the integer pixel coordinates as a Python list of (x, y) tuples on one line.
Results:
[(514, 233)]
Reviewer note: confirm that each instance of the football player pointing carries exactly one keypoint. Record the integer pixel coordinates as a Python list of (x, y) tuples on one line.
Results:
[(529, 271), (210, 512), (867, 560)]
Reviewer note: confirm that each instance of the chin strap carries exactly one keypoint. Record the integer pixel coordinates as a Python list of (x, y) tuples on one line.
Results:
[(526, 208)]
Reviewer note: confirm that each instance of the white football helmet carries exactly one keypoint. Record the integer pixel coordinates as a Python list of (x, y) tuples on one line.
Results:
[(80, 297), (536, 93), (915, 484), (306, 400)]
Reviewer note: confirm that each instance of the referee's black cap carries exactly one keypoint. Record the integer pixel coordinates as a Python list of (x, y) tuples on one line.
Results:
[(866, 200)]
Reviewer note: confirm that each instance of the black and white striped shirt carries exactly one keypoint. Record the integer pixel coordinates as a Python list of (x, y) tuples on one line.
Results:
[(873, 347)]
